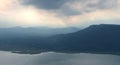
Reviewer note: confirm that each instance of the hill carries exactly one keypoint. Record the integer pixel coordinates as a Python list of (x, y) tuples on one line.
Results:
[(102, 38)]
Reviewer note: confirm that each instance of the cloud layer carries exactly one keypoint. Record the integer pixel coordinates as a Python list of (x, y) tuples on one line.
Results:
[(62, 13)]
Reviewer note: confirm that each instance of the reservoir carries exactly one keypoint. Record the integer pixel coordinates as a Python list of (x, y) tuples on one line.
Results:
[(53, 58)]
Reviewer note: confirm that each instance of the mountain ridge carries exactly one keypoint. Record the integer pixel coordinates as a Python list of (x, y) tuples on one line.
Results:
[(95, 38), (35, 31)]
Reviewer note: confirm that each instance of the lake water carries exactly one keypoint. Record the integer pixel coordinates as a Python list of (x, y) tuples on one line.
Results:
[(52, 58)]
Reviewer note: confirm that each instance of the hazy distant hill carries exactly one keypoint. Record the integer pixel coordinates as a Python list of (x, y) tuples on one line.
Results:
[(96, 38), (34, 31)]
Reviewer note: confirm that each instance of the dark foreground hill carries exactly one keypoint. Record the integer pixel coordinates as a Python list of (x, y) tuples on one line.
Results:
[(96, 38)]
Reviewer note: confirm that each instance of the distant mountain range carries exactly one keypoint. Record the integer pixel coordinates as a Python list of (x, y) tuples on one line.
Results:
[(104, 38), (34, 31)]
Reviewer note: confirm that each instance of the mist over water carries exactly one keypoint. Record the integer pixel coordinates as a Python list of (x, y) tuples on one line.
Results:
[(52, 58)]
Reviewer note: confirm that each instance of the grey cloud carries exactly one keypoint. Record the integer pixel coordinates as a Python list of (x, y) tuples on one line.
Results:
[(60, 8), (91, 6), (107, 4), (46, 4), (69, 11)]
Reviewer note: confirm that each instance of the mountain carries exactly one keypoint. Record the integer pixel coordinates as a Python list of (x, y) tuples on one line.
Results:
[(96, 38), (34, 31), (104, 38)]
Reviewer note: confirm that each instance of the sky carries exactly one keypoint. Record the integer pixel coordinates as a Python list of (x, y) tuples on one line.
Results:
[(58, 13)]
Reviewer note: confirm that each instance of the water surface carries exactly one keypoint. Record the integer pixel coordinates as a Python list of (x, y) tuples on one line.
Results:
[(52, 58)]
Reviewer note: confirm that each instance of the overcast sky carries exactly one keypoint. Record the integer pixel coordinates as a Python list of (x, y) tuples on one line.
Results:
[(58, 13)]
